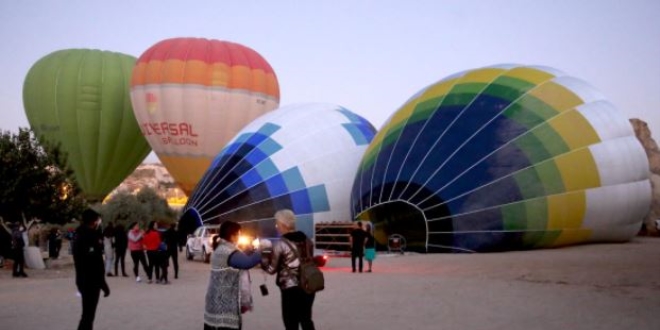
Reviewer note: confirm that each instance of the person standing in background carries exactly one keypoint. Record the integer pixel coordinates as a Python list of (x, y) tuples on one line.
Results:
[(121, 244), (17, 246), (54, 243), (109, 248), (151, 243), (88, 262), (163, 258), (172, 240), (369, 247), (135, 245), (18, 241), (357, 240), (5, 242)]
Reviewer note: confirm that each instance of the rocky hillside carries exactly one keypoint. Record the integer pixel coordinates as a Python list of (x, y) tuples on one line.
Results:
[(653, 153), (156, 177)]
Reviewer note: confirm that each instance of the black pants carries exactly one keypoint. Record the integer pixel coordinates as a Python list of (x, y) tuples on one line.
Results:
[(153, 264), (120, 256), (355, 255), (174, 254), (163, 264), (138, 258), (90, 299), (54, 249), (19, 262), (297, 309)]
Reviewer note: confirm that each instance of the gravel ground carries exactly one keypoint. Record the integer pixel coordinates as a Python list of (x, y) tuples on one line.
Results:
[(600, 286)]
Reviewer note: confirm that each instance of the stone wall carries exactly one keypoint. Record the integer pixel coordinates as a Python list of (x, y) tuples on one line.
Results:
[(653, 153)]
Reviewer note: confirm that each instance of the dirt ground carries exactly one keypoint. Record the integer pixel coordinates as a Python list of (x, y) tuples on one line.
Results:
[(602, 286)]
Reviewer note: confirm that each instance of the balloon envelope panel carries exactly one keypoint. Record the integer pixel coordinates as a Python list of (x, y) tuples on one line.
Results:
[(502, 158), (301, 157), (192, 95), (79, 98)]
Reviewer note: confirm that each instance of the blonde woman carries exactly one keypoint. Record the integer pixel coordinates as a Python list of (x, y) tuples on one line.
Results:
[(282, 260)]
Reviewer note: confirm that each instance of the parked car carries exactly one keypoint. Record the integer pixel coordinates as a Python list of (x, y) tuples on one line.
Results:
[(199, 243)]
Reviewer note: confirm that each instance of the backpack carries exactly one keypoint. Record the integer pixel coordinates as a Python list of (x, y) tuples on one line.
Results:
[(310, 276)]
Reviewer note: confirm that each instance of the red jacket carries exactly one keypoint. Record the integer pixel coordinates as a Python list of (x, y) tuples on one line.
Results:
[(151, 240)]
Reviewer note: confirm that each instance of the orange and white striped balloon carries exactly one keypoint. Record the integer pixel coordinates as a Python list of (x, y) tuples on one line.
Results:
[(191, 96)]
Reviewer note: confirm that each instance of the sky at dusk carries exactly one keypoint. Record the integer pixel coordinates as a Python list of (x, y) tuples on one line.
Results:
[(367, 56)]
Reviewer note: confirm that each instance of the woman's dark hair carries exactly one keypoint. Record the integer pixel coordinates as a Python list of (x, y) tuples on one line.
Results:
[(109, 230), (89, 216), (215, 242), (151, 226), (229, 229), (130, 227)]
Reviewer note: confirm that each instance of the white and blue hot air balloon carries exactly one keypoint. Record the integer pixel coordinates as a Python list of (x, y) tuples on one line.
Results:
[(301, 157)]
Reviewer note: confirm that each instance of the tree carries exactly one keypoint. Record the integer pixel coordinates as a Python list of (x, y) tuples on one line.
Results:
[(156, 206), (125, 208), (36, 180)]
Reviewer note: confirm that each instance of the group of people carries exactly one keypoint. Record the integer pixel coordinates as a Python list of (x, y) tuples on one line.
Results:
[(229, 290), (229, 293), (363, 245), (151, 248)]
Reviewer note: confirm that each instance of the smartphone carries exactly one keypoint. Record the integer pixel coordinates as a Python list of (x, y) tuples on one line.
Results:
[(263, 289)]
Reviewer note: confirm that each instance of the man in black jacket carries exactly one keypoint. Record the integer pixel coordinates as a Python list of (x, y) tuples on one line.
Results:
[(171, 238), (358, 240), (90, 270)]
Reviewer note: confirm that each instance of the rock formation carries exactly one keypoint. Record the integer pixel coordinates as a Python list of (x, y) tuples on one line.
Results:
[(653, 153), (156, 177)]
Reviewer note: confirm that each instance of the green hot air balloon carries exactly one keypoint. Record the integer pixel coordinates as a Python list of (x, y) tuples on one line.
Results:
[(79, 99)]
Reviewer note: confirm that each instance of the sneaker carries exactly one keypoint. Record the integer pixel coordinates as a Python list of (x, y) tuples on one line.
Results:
[(138, 279)]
